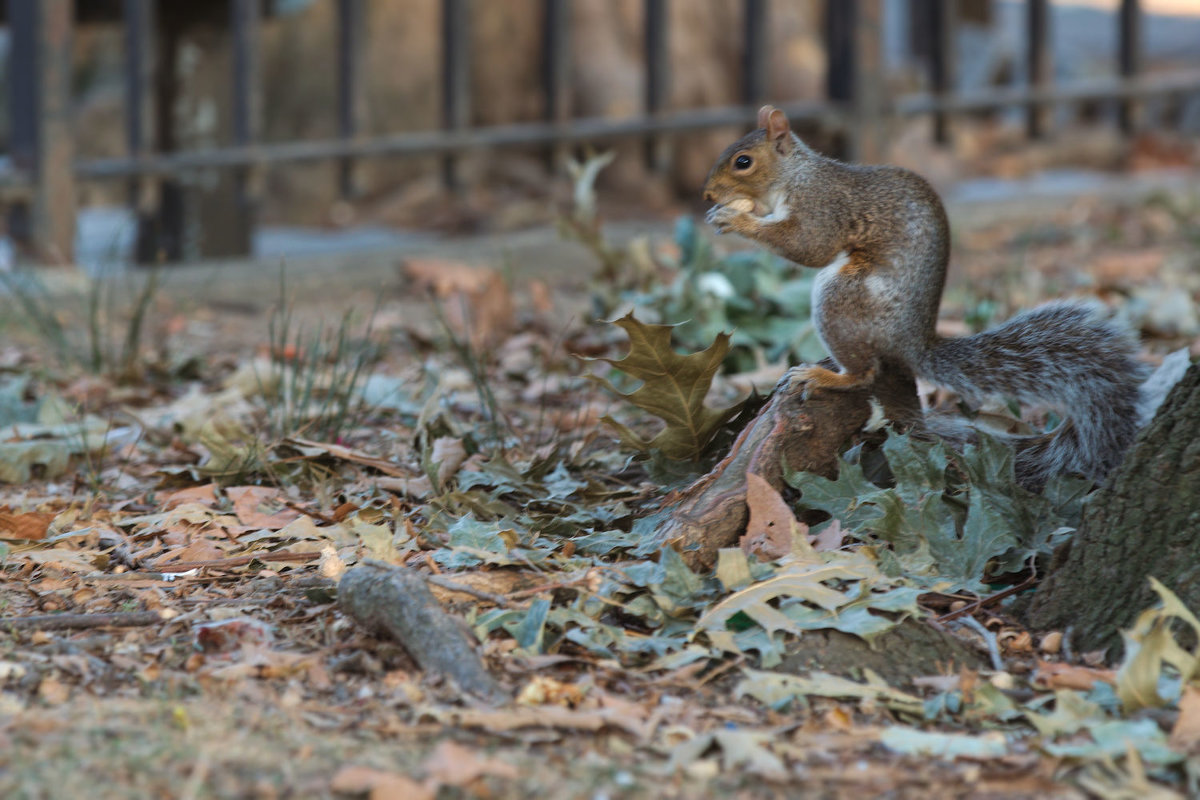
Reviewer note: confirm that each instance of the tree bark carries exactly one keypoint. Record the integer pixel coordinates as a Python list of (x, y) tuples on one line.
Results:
[(1146, 522)]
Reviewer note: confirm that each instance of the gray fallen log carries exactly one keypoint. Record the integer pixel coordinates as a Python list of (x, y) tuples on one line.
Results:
[(397, 602)]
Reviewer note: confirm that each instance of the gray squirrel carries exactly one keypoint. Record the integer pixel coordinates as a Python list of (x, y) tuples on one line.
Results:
[(881, 237)]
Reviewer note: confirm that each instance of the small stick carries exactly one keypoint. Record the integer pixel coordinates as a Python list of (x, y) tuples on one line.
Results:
[(62, 622), (991, 599), (317, 515), (237, 561), (548, 587)]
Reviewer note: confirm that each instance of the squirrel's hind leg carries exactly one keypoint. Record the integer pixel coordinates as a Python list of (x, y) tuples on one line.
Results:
[(822, 378)]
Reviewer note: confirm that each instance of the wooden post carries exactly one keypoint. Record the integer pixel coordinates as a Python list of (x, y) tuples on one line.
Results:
[(1038, 62), (1129, 58), (40, 127), (351, 101), (869, 85)]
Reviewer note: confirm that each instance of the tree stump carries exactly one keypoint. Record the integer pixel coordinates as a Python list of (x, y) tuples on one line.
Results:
[(1146, 522), (807, 430)]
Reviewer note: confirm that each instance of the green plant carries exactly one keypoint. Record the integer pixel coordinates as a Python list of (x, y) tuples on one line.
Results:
[(314, 384), (111, 341)]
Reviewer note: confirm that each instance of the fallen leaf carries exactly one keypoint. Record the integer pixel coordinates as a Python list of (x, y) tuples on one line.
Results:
[(261, 507), (28, 526), (205, 495), (1185, 735), (544, 690), (378, 784), (451, 764), (673, 388), (773, 525), (1070, 676), (910, 741)]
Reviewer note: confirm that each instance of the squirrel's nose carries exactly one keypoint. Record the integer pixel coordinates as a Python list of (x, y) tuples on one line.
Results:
[(709, 198)]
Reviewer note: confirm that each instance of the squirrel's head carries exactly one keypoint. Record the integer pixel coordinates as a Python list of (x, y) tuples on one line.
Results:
[(751, 166)]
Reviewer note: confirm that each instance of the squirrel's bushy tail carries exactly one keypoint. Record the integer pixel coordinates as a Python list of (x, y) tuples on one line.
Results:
[(1068, 356)]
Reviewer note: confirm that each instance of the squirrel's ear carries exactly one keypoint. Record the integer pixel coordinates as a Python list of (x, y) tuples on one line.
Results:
[(778, 131), (764, 114)]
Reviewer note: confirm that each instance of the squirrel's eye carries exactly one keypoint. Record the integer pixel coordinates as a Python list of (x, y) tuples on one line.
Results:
[(743, 162)]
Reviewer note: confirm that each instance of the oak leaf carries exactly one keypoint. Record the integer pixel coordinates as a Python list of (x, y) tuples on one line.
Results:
[(673, 388)]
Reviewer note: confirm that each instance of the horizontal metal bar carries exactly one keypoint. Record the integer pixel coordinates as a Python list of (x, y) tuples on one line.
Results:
[(445, 142), (602, 129), (1077, 91)]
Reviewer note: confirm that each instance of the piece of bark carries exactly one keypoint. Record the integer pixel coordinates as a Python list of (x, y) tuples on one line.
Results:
[(398, 602), (807, 429)]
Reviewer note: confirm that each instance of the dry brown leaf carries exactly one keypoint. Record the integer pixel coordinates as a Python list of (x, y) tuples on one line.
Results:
[(448, 454), (62, 558), (53, 691), (198, 550), (28, 526), (477, 300), (1185, 736), (544, 690), (378, 784), (508, 719), (451, 764), (261, 507), (344, 453), (201, 495), (1070, 676), (831, 537), (772, 524)]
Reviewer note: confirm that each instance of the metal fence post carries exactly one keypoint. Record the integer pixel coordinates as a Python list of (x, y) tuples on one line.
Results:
[(247, 118), (140, 69), (754, 53), (40, 127), (351, 101), (943, 19), (1037, 22), (556, 63), (456, 78), (658, 77), (1129, 57)]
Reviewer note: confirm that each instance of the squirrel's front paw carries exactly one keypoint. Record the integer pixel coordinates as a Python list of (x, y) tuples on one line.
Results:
[(725, 218)]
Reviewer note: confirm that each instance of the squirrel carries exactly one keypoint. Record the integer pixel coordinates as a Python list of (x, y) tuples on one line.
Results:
[(880, 236)]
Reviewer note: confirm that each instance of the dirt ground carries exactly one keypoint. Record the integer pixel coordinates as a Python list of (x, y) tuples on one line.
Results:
[(302, 703)]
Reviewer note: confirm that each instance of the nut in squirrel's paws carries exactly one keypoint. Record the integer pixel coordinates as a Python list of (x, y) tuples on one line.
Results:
[(721, 217)]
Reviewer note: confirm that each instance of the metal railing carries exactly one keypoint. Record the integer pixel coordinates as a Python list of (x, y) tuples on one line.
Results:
[(39, 182)]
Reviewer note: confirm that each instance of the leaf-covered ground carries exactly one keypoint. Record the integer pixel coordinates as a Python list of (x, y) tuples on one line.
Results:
[(178, 504)]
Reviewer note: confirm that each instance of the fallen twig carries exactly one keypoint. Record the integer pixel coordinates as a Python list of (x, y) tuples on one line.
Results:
[(236, 561), (992, 599), (397, 601), (61, 622)]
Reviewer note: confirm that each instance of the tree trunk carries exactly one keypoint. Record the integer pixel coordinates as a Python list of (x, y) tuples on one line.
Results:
[(1146, 522)]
